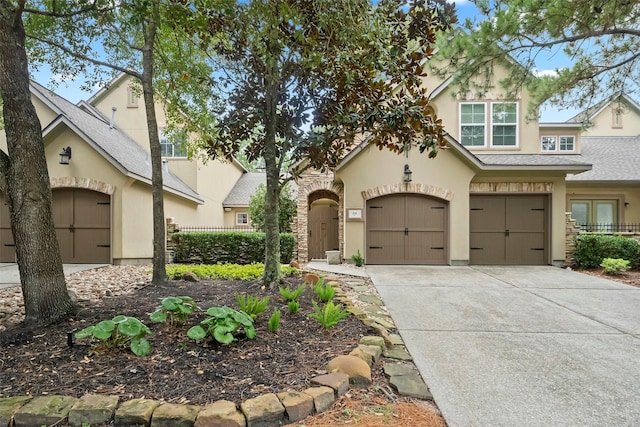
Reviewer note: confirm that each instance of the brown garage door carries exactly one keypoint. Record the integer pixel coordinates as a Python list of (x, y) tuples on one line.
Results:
[(82, 221), (406, 229), (509, 230)]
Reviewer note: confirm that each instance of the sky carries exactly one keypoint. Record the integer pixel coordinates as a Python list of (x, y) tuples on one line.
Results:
[(69, 88)]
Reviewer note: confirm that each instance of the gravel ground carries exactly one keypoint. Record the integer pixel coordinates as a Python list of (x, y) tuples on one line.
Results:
[(88, 285)]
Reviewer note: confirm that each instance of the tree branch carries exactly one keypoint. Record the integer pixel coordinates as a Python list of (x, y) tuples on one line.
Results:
[(90, 8)]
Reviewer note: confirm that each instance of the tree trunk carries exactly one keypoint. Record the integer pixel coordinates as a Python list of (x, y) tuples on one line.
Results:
[(159, 239), (272, 197), (46, 298)]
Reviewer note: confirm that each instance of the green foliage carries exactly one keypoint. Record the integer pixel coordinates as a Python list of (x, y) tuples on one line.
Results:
[(177, 309), (290, 295), (591, 249), (324, 291), (224, 271), (223, 325), (274, 321), (590, 33), (252, 305), (329, 315), (614, 266), (357, 259), (119, 332), (227, 247), (287, 208), (293, 307)]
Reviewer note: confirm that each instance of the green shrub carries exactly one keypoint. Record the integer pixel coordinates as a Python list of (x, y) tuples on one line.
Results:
[(357, 259), (227, 247), (614, 266), (177, 309), (324, 292), (591, 249), (252, 305), (119, 332), (223, 324), (290, 295), (329, 315), (274, 321), (224, 271)]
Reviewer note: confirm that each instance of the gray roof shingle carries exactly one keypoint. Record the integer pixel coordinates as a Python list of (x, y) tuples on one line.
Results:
[(116, 146), (245, 187), (614, 158), (531, 160)]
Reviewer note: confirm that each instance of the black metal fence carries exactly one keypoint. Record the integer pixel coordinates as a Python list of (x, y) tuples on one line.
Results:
[(610, 228), (192, 229)]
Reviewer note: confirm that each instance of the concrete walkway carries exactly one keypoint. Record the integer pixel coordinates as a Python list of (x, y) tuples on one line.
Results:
[(10, 276), (519, 346)]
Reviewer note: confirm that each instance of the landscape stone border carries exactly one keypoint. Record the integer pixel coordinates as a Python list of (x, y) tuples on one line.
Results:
[(266, 410)]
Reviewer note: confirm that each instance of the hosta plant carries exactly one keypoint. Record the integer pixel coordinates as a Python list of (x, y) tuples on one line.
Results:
[(325, 292), (119, 332), (223, 324), (176, 309), (251, 305), (329, 315)]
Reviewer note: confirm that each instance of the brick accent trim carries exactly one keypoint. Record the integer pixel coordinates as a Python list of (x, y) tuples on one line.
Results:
[(511, 187), (409, 187), (85, 183)]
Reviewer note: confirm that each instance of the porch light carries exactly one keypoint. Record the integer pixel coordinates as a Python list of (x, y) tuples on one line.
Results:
[(407, 174), (65, 156)]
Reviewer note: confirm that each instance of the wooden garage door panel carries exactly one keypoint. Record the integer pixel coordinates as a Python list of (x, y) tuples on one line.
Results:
[(425, 247), (91, 210), (526, 248), (92, 245), (526, 214), (487, 213), (487, 248), (62, 208), (386, 213), (424, 214), (7, 247), (385, 247)]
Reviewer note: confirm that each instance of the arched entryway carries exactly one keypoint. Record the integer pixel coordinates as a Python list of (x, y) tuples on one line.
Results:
[(82, 220), (323, 223)]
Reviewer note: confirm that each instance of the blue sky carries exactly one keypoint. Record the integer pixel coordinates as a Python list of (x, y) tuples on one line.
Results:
[(69, 87)]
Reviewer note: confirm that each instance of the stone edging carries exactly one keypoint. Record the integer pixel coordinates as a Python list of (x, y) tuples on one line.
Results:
[(265, 410)]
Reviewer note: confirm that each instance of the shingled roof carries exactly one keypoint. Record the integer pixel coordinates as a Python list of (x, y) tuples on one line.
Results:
[(114, 145), (614, 159), (246, 186)]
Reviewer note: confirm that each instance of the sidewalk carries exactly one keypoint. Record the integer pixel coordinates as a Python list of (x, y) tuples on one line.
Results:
[(10, 276)]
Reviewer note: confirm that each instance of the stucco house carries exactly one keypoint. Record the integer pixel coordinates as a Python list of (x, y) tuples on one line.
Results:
[(102, 195), (498, 195)]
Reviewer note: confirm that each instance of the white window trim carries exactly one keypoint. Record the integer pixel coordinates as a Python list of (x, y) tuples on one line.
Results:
[(558, 149), (489, 119), (542, 145), (486, 130), (560, 146), (242, 213), (162, 137)]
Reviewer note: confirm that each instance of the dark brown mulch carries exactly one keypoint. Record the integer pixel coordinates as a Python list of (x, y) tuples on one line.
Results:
[(631, 278), (178, 370)]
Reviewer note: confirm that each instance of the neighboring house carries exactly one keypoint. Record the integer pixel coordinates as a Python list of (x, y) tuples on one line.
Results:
[(607, 198), (497, 196), (102, 203), (236, 204)]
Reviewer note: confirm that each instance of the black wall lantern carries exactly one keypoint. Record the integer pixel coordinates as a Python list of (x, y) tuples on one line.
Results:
[(65, 156), (407, 174)]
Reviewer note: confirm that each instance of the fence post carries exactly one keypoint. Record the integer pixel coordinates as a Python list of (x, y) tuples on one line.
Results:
[(571, 232), (171, 228)]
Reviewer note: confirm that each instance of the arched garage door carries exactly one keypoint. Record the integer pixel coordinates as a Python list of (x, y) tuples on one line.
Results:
[(82, 220), (406, 229)]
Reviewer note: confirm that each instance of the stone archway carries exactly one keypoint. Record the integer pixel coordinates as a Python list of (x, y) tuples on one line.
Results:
[(313, 188)]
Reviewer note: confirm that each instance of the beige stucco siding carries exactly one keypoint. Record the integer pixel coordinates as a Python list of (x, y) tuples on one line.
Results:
[(446, 174), (603, 124)]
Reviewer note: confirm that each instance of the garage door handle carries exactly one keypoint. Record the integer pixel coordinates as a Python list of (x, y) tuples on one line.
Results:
[(72, 228), (506, 233), (375, 247), (537, 249), (437, 247), (406, 231)]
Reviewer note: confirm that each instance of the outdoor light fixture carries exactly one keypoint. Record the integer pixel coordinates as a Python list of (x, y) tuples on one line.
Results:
[(65, 156), (407, 174)]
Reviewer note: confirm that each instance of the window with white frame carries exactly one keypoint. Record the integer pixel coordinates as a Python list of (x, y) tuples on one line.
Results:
[(504, 124), (479, 125), (242, 218), (554, 143), (473, 120), (172, 148)]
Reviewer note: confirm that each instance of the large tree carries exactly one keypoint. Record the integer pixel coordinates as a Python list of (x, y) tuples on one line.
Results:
[(139, 38), (301, 80), (599, 39), (24, 178)]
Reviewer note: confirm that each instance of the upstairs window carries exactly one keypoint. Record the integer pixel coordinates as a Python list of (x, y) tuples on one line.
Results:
[(500, 127), (555, 143), (172, 148), (473, 124), (242, 218)]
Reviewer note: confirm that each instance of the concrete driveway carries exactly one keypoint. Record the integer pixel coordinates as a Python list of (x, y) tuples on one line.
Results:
[(519, 346), (10, 276)]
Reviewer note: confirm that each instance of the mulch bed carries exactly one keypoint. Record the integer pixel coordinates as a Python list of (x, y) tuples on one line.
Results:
[(178, 369)]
